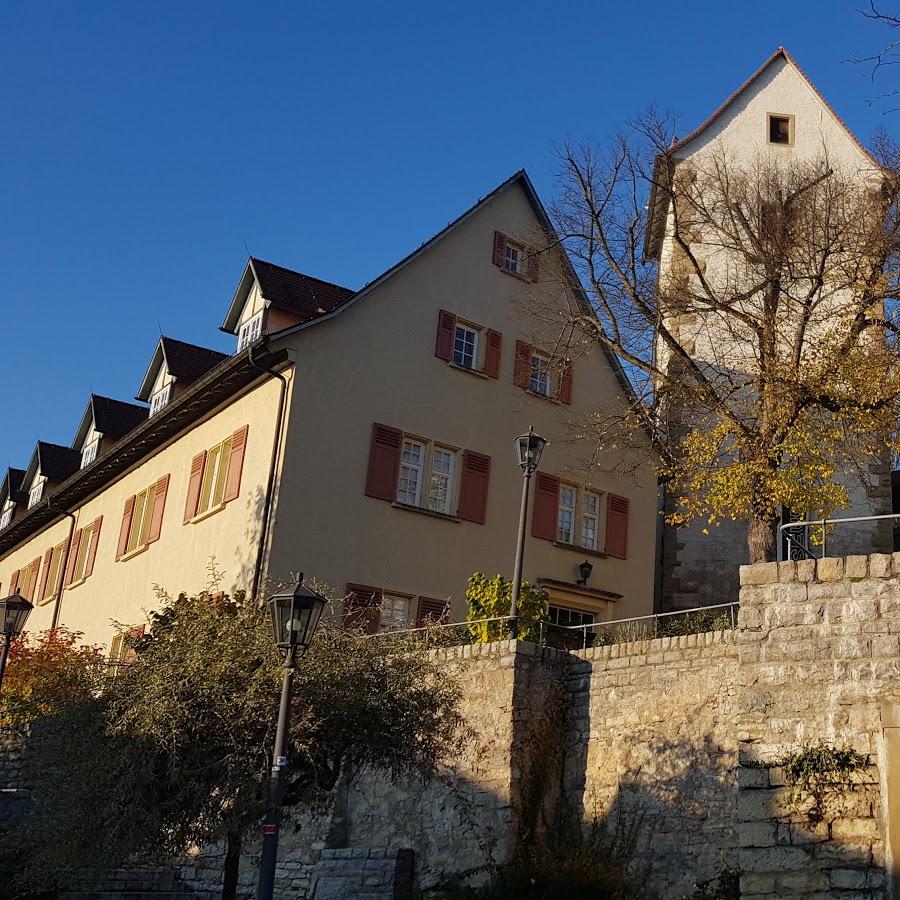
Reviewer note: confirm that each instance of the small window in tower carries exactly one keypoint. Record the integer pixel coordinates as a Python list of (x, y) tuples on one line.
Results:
[(781, 129)]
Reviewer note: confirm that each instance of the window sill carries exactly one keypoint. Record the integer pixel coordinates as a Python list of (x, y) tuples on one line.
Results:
[(425, 511), (205, 515), (580, 550), (519, 275), (548, 398), (476, 372), (45, 601), (76, 584), (133, 553)]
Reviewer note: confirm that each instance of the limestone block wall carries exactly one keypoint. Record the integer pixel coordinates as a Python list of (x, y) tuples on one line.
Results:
[(652, 746)]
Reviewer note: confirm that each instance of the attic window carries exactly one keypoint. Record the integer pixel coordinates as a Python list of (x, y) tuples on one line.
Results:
[(34, 497), (160, 399), (6, 518), (89, 453), (250, 331), (781, 129)]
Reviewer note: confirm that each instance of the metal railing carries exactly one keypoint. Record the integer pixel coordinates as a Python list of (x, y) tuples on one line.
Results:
[(720, 617), (798, 546)]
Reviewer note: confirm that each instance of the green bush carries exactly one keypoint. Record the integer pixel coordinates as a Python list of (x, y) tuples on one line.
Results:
[(489, 598)]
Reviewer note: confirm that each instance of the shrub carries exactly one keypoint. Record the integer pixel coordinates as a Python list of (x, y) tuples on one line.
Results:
[(489, 598)]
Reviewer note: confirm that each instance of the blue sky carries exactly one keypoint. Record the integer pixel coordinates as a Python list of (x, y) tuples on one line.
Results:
[(147, 146)]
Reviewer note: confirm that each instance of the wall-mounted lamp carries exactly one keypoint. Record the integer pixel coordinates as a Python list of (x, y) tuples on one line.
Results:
[(585, 569)]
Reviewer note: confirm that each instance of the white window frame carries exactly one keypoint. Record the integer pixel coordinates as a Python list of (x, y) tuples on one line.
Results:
[(587, 518), (6, 515), (395, 611), (587, 618), (35, 494), (459, 358), (513, 256), (89, 452), (408, 469), (160, 399), (570, 511), (212, 482), (440, 478), (539, 380), (84, 545), (250, 331), (141, 516), (54, 575)]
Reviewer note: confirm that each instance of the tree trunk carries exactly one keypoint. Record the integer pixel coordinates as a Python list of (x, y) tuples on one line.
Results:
[(232, 865), (761, 539)]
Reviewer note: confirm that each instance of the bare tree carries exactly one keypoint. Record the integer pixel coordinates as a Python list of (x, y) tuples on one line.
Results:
[(886, 56), (752, 304)]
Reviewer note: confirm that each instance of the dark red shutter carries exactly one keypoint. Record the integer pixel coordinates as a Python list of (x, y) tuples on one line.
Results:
[(14, 582), (132, 636), (33, 577), (499, 248), (160, 489), (473, 487), (92, 550), (384, 462), (235, 464), (534, 266), (193, 492), (61, 549), (617, 526), (565, 382), (492, 353), (73, 553), (431, 610), (48, 557), (522, 372), (443, 345), (546, 507), (362, 608), (127, 513)]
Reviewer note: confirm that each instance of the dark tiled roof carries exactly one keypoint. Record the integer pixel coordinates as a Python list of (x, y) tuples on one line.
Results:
[(57, 462), (188, 361), (296, 293), (12, 485), (116, 417)]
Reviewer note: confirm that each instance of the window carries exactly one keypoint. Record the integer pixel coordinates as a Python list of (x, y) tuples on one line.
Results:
[(560, 615), (54, 573), (212, 488), (250, 331), (35, 494), (89, 453), (539, 379), (410, 484), (140, 520), (122, 649), (160, 399), (565, 523), (512, 259), (440, 493), (465, 347), (24, 581), (84, 546), (781, 129), (394, 612), (590, 518), (6, 516)]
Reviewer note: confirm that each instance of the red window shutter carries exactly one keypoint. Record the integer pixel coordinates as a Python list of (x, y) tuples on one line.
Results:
[(14, 583), (193, 492), (73, 553), (546, 507), (443, 345), (534, 265), (617, 526), (61, 549), (384, 462), (565, 382), (92, 550), (499, 248), (235, 464), (473, 487), (431, 610), (160, 490), (127, 514), (362, 608), (492, 353), (522, 372), (35, 567), (48, 556), (132, 636)]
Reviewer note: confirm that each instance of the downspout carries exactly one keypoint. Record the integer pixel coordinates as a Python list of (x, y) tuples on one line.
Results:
[(57, 603), (273, 471)]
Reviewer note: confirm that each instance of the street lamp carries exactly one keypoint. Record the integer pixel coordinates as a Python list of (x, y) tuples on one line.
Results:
[(529, 448), (14, 611), (295, 616), (585, 570)]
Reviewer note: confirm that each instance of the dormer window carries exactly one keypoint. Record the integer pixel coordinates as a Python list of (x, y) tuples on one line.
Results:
[(250, 331), (89, 453), (35, 494), (6, 516), (160, 399)]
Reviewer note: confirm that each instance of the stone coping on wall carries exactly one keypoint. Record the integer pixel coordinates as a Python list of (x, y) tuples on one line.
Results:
[(823, 570), (656, 645), (495, 650)]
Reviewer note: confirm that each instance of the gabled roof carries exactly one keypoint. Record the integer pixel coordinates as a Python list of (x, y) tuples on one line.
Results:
[(112, 418), (186, 362), (11, 488), (53, 461), (298, 294), (661, 171)]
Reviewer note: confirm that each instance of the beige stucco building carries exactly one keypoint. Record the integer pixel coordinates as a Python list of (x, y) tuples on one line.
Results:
[(363, 437), (776, 118)]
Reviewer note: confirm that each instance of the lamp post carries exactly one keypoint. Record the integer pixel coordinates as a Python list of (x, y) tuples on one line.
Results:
[(529, 448), (14, 611), (295, 616)]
